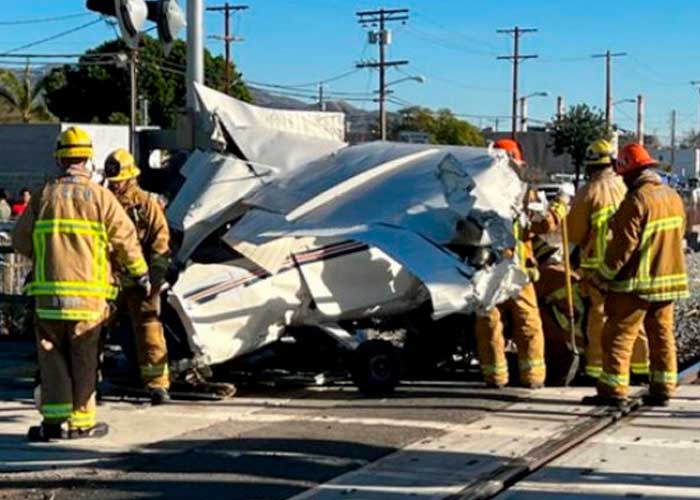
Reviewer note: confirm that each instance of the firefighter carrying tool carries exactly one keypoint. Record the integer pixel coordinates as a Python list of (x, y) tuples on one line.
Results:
[(523, 311), (591, 211), (68, 230), (145, 211), (644, 271)]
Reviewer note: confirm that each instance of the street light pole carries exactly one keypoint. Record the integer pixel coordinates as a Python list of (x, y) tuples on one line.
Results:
[(640, 119), (523, 108), (132, 101), (523, 114), (195, 50)]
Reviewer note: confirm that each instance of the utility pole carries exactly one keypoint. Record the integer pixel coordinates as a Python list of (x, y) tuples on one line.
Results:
[(696, 83), (673, 137), (516, 57), (560, 107), (321, 101), (382, 38), (228, 38), (608, 83), (640, 119), (143, 108)]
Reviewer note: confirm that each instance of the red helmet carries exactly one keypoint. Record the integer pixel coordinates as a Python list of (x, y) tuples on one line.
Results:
[(633, 157), (512, 147)]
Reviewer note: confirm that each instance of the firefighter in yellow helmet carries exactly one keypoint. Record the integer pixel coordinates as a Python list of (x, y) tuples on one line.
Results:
[(644, 271), (145, 211), (522, 310), (68, 230), (591, 211)]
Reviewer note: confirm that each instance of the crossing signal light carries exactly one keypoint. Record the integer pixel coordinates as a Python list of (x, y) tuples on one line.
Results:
[(170, 19), (132, 16)]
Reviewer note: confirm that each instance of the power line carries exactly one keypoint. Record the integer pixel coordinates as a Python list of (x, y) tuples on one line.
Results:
[(445, 44), (491, 47), (52, 37), (311, 92), (455, 83), (44, 19)]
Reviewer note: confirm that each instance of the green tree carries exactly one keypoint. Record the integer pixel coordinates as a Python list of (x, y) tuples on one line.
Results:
[(573, 131), (97, 90), (22, 99), (442, 126), (690, 140)]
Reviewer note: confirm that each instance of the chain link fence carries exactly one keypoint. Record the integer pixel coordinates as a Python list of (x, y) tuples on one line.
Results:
[(15, 313)]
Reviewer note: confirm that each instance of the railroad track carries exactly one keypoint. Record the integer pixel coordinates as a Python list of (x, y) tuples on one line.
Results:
[(599, 419)]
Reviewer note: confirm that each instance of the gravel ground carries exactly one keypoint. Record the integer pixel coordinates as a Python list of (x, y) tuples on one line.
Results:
[(688, 315)]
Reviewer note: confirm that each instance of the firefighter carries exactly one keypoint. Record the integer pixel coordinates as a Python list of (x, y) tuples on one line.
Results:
[(644, 271), (523, 310), (145, 211), (591, 211), (68, 230)]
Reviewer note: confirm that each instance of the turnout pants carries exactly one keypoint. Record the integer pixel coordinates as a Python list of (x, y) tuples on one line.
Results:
[(151, 350), (627, 315), (527, 334), (594, 331), (67, 353)]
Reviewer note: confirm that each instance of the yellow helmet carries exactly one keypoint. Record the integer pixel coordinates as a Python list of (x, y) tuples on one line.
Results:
[(121, 166), (599, 152), (74, 142)]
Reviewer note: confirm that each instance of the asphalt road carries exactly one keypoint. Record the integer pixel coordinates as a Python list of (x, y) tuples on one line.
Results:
[(269, 444)]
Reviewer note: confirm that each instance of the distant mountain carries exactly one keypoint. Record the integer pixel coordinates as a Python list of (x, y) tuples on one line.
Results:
[(360, 122)]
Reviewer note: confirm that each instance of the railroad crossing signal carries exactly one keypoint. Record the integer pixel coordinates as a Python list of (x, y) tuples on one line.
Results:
[(132, 16)]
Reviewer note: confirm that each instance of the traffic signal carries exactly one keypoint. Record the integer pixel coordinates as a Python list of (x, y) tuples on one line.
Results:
[(132, 16), (170, 20)]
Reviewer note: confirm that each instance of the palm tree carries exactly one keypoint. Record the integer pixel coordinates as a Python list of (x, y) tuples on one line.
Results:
[(24, 98)]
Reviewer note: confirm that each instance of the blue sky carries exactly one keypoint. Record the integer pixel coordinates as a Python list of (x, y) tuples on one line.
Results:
[(453, 43)]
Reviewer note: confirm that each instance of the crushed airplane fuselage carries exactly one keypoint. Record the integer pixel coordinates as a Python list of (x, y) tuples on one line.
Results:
[(331, 236)]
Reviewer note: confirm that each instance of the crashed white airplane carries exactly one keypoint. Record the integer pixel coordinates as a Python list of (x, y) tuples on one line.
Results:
[(289, 227)]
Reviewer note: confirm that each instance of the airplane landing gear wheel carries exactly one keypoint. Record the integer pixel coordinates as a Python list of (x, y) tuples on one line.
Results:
[(376, 367)]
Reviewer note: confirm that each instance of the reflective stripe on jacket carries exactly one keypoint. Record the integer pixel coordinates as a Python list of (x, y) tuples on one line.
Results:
[(68, 231), (591, 211), (146, 213), (524, 253), (645, 255)]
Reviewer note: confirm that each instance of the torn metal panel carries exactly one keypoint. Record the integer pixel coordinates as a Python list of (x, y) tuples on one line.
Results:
[(214, 182), (349, 279), (358, 233), (229, 311), (409, 192), (271, 137)]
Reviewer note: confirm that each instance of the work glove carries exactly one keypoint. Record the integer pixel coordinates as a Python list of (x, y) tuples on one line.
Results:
[(144, 283)]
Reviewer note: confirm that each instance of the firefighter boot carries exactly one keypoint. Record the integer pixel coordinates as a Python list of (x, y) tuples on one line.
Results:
[(47, 432), (100, 429), (159, 396)]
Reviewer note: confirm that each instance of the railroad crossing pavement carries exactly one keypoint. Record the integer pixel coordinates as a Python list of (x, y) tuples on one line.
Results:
[(430, 440), (653, 454)]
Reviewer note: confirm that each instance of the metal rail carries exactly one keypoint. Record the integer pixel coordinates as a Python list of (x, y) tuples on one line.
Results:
[(598, 419), (690, 373)]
